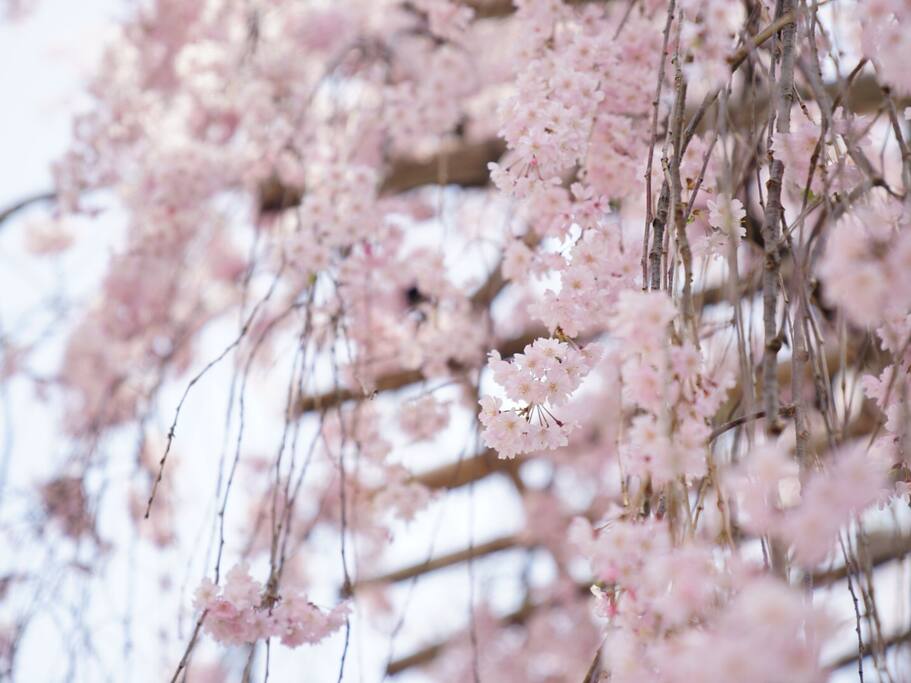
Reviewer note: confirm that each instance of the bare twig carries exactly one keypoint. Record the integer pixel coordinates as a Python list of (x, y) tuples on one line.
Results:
[(24, 203)]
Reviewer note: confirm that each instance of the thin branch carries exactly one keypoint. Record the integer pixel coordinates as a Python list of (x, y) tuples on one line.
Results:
[(474, 552), (24, 203), (400, 379), (784, 411), (771, 235)]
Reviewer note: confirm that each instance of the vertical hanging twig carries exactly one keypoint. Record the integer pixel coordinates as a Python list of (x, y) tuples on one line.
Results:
[(771, 226), (651, 275), (771, 235)]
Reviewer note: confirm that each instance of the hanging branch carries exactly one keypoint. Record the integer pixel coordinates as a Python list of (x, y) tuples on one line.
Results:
[(24, 203)]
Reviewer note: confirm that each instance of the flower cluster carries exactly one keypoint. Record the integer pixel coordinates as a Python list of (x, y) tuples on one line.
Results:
[(424, 417), (679, 612), (708, 34), (885, 40), (830, 499), (866, 269), (241, 611), (543, 376), (429, 103), (726, 216), (808, 515), (591, 275), (66, 503), (400, 495), (675, 394), (549, 119)]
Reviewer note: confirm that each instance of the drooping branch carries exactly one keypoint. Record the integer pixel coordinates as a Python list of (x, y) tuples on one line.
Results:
[(771, 225), (771, 235), (24, 203)]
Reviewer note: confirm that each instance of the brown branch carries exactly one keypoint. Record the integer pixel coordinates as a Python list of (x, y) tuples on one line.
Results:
[(479, 467), (851, 657), (431, 565), (739, 57), (771, 235), (401, 378), (883, 548), (464, 165), (495, 9), (783, 376), (771, 225), (516, 618), (419, 658), (707, 298), (785, 411), (785, 85), (462, 472)]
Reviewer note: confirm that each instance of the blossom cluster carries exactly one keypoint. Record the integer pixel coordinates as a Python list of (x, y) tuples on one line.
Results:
[(708, 35), (424, 417), (885, 40), (542, 377), (241, 611), (578, 100), (428, 102), (854, 480), (866, 269), (808, 515), (725, 215), (592, 273), (668, 382), (679, 612)]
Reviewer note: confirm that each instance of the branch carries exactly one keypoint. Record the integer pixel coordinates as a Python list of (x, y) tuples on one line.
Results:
[(464, 165), (24, 203), (883, 548), (462, 472), (471, 553), (401, 378), (515, 618), (892, 641), (785, 411), (494, 9), (771, 236), (709, 297)]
